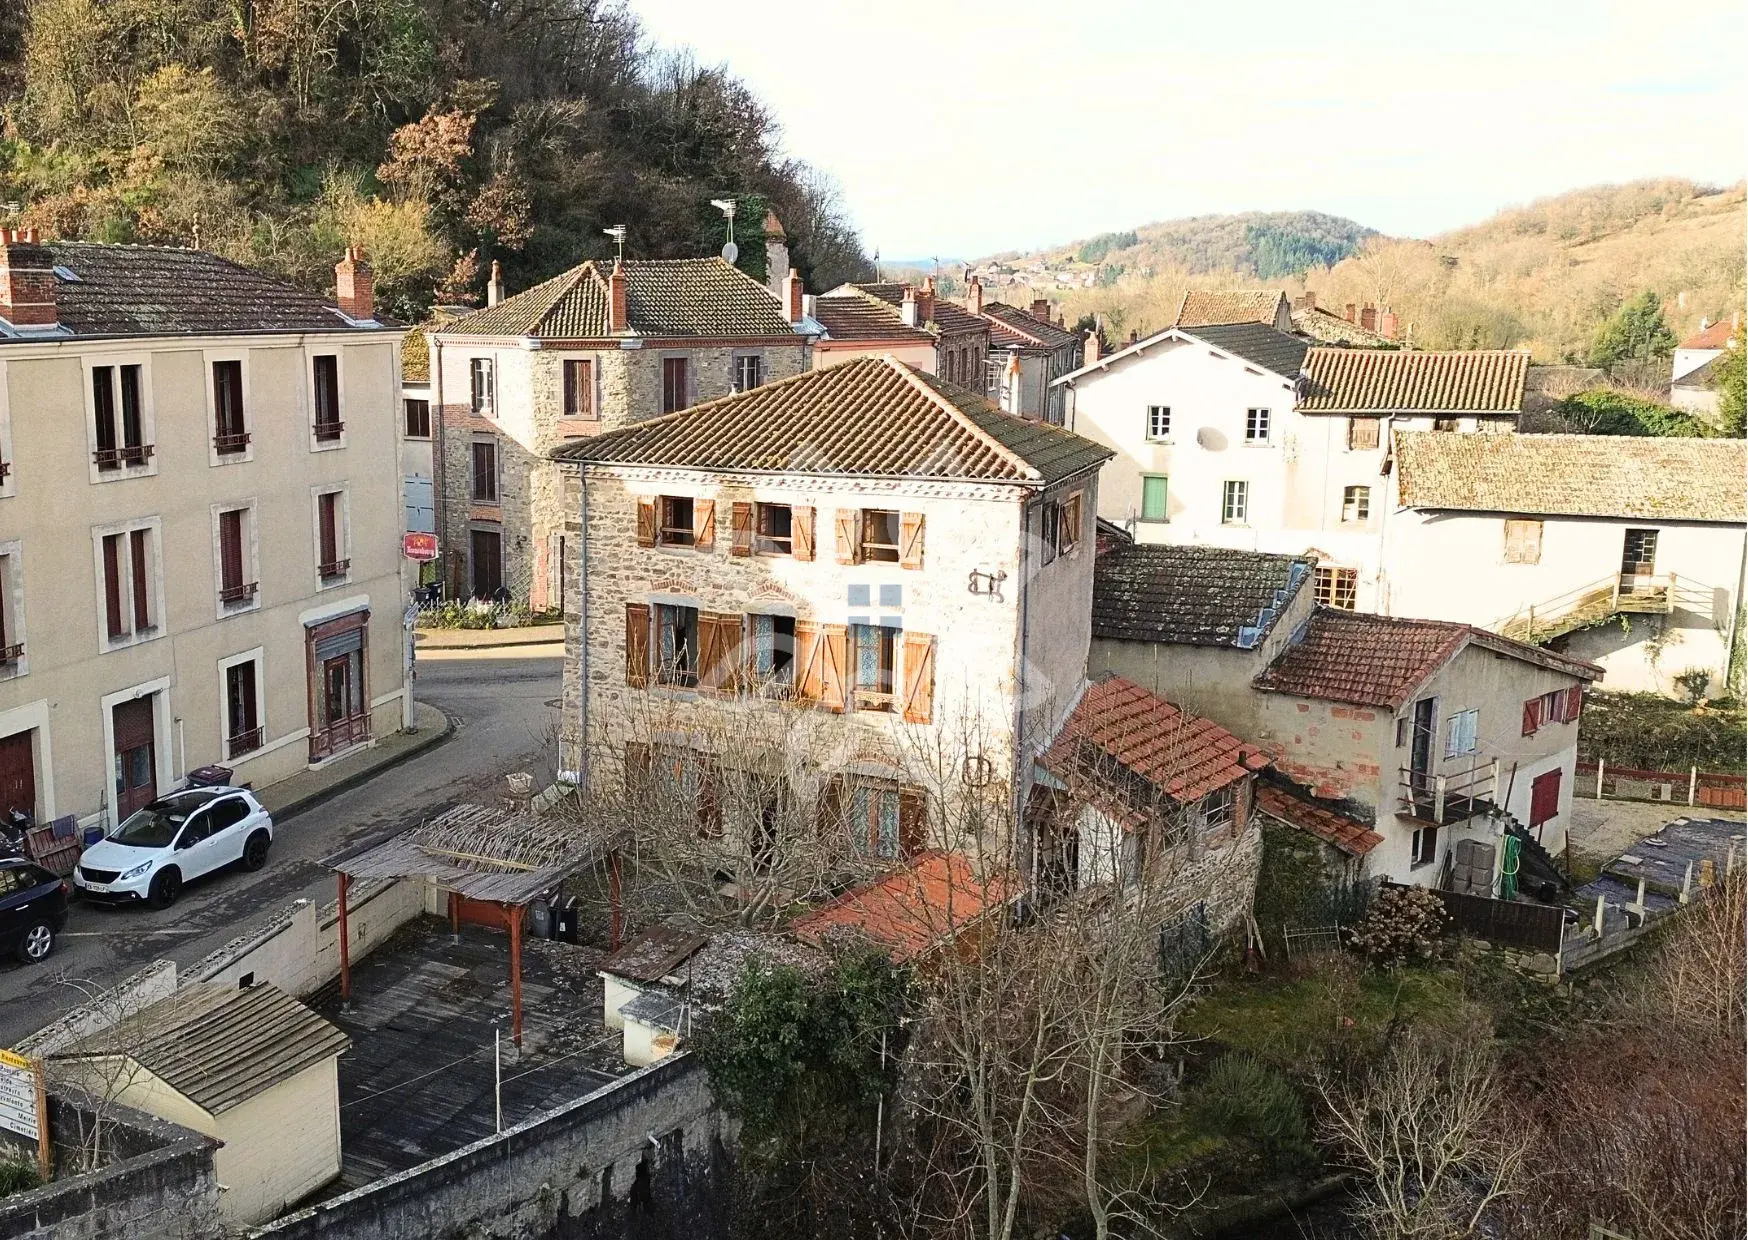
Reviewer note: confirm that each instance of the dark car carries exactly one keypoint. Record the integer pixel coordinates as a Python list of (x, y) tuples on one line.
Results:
[(33, 909)]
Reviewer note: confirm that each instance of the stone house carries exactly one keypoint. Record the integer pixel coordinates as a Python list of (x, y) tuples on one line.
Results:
[(594, 349), (911, 323), (1239, 435), (1626, 551), (200, 524), (1028, 353), (897, 570)]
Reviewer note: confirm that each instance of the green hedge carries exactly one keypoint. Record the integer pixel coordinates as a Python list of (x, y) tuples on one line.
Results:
[(1608, 412), (1655, 733)]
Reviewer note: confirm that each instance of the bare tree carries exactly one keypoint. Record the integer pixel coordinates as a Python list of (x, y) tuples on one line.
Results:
[(1701, 974), (100, 1067)]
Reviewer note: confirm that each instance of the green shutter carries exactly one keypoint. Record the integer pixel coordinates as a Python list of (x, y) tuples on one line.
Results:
[(1153, 497)]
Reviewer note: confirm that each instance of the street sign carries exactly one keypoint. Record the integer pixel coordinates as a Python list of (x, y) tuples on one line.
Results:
[(420, 546), (23, 1106)]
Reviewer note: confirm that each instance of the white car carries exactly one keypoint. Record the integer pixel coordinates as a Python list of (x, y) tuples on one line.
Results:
[(172, 841)]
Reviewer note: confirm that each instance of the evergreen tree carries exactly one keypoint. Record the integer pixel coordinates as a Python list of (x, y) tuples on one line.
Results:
[(1635, 333)]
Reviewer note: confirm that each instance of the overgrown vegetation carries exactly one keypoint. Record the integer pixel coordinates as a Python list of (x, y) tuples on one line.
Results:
[(1609, 411), (1650, 732), (17, 1176)]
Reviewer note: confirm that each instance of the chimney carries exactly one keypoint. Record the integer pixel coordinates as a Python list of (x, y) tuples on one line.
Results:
[(974, 294), (27, 280), (776, 253), (925, 300), (1090, 351), (1388, 324), (1369, 318), (618, 301), (1308, 301), (355, 286), (1041, 309), (907, 309), (794, 298), (1348, 313), (495, 286)]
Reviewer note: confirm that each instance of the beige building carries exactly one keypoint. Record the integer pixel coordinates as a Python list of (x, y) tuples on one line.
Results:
[(591, 350), (200, 524), (908, 322), (1029, 352), (887, 564)]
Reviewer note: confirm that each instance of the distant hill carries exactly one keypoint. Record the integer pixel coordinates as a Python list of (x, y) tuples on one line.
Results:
[(1263, 244)]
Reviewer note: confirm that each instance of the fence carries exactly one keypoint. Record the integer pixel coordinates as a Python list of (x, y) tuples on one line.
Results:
[(1509, 923), (1711, 789), (1311, 939)]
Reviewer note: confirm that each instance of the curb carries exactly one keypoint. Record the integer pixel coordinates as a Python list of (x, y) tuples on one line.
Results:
[(432, 648), (424, 745)]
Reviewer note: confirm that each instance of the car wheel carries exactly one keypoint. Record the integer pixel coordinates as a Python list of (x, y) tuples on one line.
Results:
[(255, 851), (37, 943), (165, 888)]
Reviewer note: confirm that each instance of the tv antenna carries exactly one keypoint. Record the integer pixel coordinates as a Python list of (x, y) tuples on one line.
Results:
[(617, 232), (730, 251)]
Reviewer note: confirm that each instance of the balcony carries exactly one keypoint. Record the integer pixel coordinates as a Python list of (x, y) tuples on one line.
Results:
[(11, 654), (115, 458), (229, 442), (243, 742), (1645, 593), (334, 568), (238, 593), (327, 432), (1453, 795)]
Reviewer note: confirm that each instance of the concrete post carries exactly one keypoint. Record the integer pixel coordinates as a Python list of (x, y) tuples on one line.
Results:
[(1597, 921), (1692, 783), (1600, 763), (1686, 884)]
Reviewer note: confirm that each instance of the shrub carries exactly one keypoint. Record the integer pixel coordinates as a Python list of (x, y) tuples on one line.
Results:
[(17, 1177), (1608, 411), (1693, 683), (1651, 732), (1243, 1099), (1403, 923)]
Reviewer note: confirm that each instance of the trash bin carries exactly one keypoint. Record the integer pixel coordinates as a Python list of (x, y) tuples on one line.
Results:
[(209, 777), (566, 921), (540, 919)]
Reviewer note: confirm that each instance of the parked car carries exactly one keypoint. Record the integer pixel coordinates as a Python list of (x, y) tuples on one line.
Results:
[(171, 842), (33, 909)]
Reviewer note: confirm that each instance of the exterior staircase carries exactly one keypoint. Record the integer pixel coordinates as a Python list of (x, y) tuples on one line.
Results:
[(1535, 864), (1589, 605)]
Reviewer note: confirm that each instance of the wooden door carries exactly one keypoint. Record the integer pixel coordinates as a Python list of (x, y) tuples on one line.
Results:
[(136, 755), (1420, 759), (336, 690), (488, 563), (17, 774)]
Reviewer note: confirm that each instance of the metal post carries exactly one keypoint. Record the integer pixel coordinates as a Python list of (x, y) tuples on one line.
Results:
[(879, 1107), (455, 917), (515, 915), (345, 949), (613, 899), (498, 1075), (1692, 783)]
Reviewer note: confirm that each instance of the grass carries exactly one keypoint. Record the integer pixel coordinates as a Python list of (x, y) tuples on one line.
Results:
[(17, 1177)]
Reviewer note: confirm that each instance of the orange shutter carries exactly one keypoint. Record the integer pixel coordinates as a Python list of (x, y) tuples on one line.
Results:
[(1073, 519), (834, 638), (637, 644), (742, 517), (910, 540), (849, 536), (704, 524), (646, 522), (801, 529), (913, 821), (809, 655), (718, 642), (919, 678)]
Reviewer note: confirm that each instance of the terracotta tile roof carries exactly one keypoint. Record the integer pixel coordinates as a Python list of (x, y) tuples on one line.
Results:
[(911, 911), (1123, 747), (1638, 476), (1274, 351), (1371, 660), (153, 290), (851, 317), (1353, 838), (874, 416), (1715, 336), (1202, 307), (1011, 325), (1380, 381), (949, 318), (1192, 595), (664, 297), (1327, 328)]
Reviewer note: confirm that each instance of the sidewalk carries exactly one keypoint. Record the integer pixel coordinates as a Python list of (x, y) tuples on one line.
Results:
[(308, 789), (487, 639)]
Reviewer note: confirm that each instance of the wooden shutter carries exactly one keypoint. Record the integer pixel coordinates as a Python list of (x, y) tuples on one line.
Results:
[(230, 549), (849, 526), (919, 678), (801, 531), (718, 639), (704, 525), (910, 540), (809, 656), (646, 522), (834, 639), (329, 533), (142, 583), (1532, 716), (1573, 705), (637, 644), (741, 518), (828, 818), (1073, 521), (913, 822), (112, 584)]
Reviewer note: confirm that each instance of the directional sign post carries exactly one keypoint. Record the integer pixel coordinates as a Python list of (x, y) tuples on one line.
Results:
[(24, 1106)]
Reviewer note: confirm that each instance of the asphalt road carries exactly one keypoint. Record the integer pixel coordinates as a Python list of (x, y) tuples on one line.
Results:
[(503, 703)]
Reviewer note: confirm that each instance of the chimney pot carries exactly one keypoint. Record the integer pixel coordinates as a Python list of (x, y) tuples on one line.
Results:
[(355, 285), (925, 301), (1348, 312), (618, 301), (1090, 353), (27, 280), (794, 297), (495, 286), (1369, 318)]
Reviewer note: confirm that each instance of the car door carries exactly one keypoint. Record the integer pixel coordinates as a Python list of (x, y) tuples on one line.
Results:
[(229, 828), (196, 850), (13, 901)]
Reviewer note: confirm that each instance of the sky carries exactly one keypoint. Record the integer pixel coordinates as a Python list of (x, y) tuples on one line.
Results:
[(959, 128)]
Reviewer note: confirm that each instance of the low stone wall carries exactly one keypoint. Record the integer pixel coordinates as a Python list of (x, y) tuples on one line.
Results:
[(648, 1156), (160, 1182), (154, 982), (1222, 880)]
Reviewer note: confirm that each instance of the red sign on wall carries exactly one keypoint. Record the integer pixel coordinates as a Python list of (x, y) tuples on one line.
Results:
[(420, 546)]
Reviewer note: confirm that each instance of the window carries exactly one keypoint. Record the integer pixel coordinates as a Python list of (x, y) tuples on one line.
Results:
[(773, 653), (1060, 526), (130, 584), (676, 645), (418, 415), (874, 819), (880, 535), (676, 528), (749, 371), (485, 471), (331, 562), (676, 384), (242, 710), (326, 373), (1362, 434), (1423, 849), (1555, 706), (1159, 422), (579, 388), (483, 389), (1356, 504), (1153, 497), (1544, 798), (1256, 426), (1639, 553), (874, 649), (230, 432), (1444, 424), (237, 584), (1235, 503), (1217, 809), (119, 416), (1460, 731), (1523, 542), (11, 632), (1049, 529), (774, 533), (1337, 587)]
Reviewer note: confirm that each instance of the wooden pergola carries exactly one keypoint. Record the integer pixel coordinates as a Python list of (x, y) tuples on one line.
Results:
[(504, 858)]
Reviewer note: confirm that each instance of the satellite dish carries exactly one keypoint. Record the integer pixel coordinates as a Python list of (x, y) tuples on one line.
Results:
[(730, 252)]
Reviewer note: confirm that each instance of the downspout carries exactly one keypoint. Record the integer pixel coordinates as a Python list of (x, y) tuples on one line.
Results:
[(439, 475), (582, 771), (1021, 746)]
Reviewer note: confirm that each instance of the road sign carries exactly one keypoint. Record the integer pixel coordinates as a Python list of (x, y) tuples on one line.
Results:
[(23, 1107), (420, 546)]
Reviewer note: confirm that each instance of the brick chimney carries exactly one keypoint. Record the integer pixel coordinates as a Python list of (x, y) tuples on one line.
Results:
[(1347, 313), (1369, 318), (1388, 324), (27, 280), (495, 286), (355, 285), (794, 297), (974, 294), (907, 309), (925, 300), (618, 301), (1308, 301), (1041, 309), (1090, 350)]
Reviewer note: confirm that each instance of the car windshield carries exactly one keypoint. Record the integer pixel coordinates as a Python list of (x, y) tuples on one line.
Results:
[(155, 825)]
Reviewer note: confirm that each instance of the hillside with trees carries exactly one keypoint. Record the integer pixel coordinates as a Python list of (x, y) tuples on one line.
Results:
[(438, 134)]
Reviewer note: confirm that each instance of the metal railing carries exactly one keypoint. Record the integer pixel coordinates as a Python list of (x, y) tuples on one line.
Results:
[(231, 441), (238, 593), (115, 458), (1449, 796), (1596, 600)]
